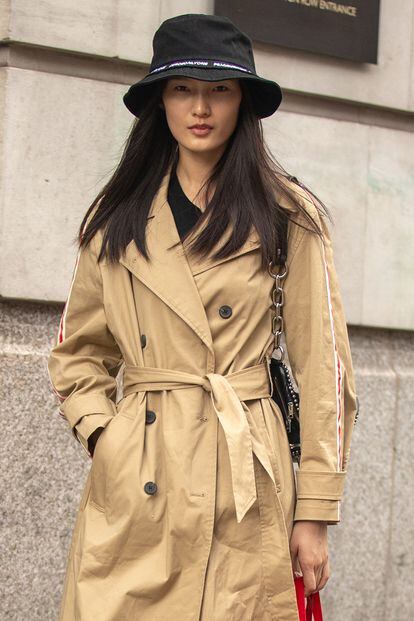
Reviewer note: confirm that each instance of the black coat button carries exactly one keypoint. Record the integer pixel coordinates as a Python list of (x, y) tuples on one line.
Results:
[(143, 340), (150, 487), (150, 416), (225, 311)]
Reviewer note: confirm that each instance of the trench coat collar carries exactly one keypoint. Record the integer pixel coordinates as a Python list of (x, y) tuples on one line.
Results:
[(170, 271)]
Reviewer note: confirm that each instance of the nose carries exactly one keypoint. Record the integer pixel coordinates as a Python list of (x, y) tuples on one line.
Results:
[(201, 105)]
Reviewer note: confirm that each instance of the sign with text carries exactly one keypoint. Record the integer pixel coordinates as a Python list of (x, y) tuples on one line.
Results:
[(340, 29)]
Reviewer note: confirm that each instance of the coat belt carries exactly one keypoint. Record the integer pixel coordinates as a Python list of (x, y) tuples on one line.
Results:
[(228, 393)]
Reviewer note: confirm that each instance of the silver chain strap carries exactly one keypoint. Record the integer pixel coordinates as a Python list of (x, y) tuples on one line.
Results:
[(278, 300), (277, 329)]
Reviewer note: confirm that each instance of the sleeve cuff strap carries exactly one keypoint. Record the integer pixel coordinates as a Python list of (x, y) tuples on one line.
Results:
[(74, 408), (320, 485), (320, 510)]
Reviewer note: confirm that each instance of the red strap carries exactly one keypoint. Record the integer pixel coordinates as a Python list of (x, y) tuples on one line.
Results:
[(300, 597), (313, 608), (317, 607)]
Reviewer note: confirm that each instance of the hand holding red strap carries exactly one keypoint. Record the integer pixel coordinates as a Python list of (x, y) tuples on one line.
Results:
[(313, 609)]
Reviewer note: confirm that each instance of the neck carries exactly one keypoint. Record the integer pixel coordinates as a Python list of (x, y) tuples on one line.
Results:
[(193, 169)]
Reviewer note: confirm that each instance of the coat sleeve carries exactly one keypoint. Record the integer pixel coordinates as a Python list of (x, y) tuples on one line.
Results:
[(85, 359), (319, 354)]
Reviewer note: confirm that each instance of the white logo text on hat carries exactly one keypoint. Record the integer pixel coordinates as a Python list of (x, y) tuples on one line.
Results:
[(203, 63)]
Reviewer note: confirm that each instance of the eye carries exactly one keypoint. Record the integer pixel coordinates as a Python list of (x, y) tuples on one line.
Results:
[(183, 87)]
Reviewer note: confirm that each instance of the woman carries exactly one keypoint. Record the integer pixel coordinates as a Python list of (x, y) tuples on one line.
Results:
[(191, 509)]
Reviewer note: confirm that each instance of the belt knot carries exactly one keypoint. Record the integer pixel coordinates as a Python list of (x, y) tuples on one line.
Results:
[(227, 393), (205, 383)]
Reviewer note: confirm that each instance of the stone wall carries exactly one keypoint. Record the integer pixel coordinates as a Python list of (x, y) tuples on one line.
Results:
[(44, 469)]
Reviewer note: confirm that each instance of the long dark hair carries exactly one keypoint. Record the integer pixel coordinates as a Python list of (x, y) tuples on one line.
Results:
[(245, 179)]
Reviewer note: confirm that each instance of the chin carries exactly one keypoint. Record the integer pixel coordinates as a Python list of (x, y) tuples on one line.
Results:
[(198, 145)]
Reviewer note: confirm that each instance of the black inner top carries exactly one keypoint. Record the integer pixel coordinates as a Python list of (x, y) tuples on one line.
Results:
[(184, 211)]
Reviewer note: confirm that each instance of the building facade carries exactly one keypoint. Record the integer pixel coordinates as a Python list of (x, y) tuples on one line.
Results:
[(344, 128)]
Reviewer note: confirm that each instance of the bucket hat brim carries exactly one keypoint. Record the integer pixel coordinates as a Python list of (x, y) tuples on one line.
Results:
[(266, 94)]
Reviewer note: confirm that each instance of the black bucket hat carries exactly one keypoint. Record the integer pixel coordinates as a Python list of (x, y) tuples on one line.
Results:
[(206, 47)]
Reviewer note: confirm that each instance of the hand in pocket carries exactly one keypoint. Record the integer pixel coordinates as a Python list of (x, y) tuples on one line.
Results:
[(93, 438)]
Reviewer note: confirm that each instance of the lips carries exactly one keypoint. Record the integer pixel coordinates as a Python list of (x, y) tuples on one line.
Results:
[(201, 130)]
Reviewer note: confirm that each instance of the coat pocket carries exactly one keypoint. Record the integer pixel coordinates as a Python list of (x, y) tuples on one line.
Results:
[(109, 442)]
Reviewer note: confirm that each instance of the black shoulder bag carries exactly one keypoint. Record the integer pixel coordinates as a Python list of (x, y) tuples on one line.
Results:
[(284, 394)]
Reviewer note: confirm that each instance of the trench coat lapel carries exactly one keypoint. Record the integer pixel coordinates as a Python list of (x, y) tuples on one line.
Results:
[(170, 271)]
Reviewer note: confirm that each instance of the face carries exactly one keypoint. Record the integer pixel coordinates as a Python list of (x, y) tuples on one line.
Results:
[(188, 102)]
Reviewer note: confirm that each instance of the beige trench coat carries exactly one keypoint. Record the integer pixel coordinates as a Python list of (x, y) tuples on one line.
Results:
[(191, 496)]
